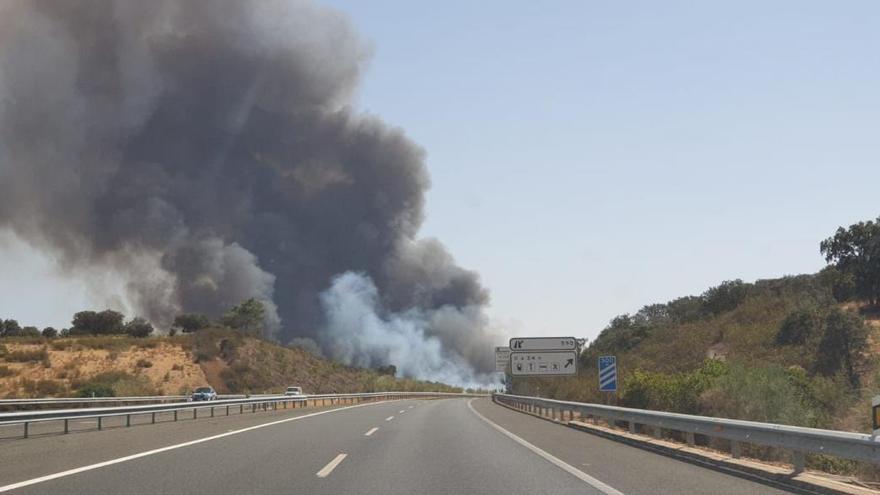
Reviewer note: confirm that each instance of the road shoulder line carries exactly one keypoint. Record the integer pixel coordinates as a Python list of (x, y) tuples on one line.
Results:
[(90, 467), (586, 478)]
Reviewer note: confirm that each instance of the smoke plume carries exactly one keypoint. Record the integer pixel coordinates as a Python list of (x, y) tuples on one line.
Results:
[(206, 153)]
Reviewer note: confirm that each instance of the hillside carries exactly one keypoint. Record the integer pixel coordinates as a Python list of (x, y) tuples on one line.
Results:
[(229, 361), (769, 351)]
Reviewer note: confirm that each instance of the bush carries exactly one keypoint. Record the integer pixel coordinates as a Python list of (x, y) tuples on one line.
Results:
[(119, 383), (138, 327), (50, 333), (95, 390), (42, 388), (144, 363), (5, 371), (28, 356), (191, 322), (799, 327)]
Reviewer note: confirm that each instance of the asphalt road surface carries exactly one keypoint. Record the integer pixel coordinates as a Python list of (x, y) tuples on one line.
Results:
[(449, 446)]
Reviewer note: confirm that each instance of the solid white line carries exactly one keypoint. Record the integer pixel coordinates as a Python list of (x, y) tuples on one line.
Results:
[(373, 430), (90, 467), (389, 418), (586, 478), (331, 466)]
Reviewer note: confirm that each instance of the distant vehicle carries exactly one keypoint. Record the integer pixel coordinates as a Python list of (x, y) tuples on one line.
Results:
[(293, 391), (203, 393)]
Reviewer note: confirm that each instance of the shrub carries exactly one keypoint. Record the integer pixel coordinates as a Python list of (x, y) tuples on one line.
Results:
[(799, 327), (177, 367), (138, 327), (6, 371), (3, 350), (42, 388), (120, 384), (28, 356), (191, 322), (95, 390), (144, 363)]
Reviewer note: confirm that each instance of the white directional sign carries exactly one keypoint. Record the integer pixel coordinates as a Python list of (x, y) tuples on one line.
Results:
[(543, 363), (502, 359), (543, 344)]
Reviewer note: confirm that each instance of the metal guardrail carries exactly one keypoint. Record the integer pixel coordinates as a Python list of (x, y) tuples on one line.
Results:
[(799, 440), (26, 418), (66, 401)]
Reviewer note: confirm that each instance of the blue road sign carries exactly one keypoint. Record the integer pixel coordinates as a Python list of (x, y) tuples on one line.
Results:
[(608, 374)]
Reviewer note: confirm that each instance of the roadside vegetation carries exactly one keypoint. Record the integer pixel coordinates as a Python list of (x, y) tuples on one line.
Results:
[(800, 350), (102, 355)]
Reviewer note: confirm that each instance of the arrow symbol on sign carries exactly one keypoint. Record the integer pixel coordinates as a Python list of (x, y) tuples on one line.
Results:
[(569, 363)]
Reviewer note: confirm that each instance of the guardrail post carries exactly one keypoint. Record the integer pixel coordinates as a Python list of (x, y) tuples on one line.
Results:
[(227, 409), (195, 413), (127, 420), (799, 460), (175, 415), (690, 438), (212, 411), (99, 422), (153, 419), (241, 409), (66, 426), (658, 432), (632, 427), (26, 426), (735, 449)]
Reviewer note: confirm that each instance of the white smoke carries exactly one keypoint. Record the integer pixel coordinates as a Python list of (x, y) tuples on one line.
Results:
[(358, 334)]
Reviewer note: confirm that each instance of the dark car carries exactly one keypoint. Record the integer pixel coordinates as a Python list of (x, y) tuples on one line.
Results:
[(204, 393)]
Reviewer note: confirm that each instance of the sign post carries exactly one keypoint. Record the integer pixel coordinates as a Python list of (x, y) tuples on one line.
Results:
[(502, 359), (608, 375), (875, 415), (543, 356), (543, 363)]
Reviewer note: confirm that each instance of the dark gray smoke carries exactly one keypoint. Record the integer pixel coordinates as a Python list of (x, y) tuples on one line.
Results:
[(205, 152)]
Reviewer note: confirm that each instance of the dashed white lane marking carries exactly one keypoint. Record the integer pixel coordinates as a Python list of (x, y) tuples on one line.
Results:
[(373, 430), (586, 478), (326, 470), (402, 411), (132, 457), (410, 407), (389, 418)]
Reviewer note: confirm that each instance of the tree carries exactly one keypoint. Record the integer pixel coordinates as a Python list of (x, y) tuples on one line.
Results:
[(11, 329), (98, 323), (50, 333), (191, 322), (30, 331), (856, 252), (247, 317), (842, 344), (798, 327), (138, 327), (725, 297)]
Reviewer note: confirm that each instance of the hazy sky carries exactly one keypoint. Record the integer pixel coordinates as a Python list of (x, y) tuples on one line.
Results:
[(592, 157)]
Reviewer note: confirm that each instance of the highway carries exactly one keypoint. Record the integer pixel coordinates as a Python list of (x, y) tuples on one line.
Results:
[(399, 447)]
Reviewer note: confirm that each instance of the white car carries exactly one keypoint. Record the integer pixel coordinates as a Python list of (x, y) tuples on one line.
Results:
[(293, 391)]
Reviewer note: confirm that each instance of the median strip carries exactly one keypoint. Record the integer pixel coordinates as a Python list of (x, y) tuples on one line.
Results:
[(323, 473)]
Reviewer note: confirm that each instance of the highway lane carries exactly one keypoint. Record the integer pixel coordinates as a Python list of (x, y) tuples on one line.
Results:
[(406, 447)]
